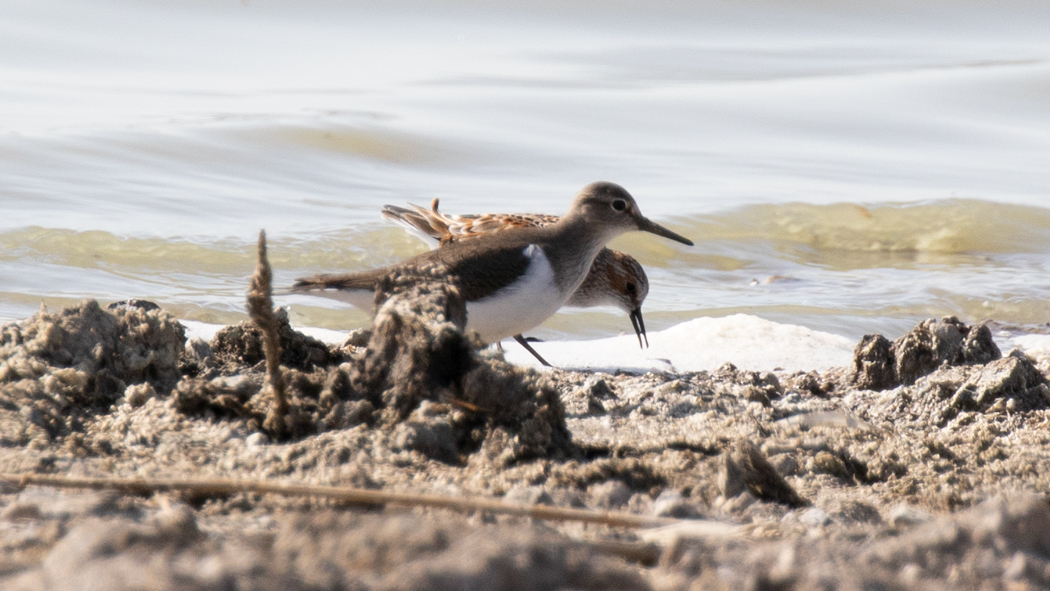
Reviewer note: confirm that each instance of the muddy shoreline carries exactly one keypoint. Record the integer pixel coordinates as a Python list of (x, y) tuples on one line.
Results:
[(923, 466)]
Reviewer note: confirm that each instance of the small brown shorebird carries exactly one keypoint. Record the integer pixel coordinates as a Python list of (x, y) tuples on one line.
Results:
[(615, 278), (515, 279)]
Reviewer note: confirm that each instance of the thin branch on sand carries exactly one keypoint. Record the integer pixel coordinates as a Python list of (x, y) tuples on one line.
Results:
[(646, 553), (209, 487)]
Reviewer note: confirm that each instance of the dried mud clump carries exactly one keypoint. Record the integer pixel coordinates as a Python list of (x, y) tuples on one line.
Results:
[(242, 344), (745, 467), (422, 373), (418, 349), (943, 369), (225, 397), (751, 385), (418, 375), (933, 343), (55, 369), (1007, 385), (1013, 383), (874, 367)]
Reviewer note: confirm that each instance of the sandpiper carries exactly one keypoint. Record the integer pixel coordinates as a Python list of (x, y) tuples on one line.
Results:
[(515, 279), (615, 278)]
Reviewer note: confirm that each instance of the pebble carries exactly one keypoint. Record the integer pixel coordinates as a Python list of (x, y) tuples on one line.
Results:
[(904, 515), (814, 517), (21, 512), (738, 503), (910, 573), (609, 494), (671, 503), (528, 495), (1015, 571), (785, 463), (256, 439)]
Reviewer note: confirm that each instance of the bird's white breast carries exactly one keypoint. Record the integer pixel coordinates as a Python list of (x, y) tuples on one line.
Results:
[(514, 309), (520, 306)]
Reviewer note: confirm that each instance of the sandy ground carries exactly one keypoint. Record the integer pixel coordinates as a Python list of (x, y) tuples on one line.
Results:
[(923, 466)]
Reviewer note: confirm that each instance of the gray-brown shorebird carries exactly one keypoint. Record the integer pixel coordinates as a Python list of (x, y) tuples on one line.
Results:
[(515, 279)]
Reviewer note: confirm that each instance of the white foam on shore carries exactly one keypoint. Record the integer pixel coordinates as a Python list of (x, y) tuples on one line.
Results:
[(205, 331), (1034, 345), (200, 330), (747, 342)]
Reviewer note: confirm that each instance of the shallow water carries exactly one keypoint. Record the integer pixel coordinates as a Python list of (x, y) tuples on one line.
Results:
[(850, 167)]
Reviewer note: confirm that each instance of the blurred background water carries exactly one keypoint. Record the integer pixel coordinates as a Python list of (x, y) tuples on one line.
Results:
[(850, 166)]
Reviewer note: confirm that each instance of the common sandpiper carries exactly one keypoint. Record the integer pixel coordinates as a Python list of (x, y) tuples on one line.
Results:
[(515, 279)]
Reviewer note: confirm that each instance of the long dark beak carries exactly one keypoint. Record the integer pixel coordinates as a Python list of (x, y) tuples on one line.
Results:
[(639, 327), (652, 227)]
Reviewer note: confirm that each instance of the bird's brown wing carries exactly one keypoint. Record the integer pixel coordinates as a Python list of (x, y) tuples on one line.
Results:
[(483, 272)]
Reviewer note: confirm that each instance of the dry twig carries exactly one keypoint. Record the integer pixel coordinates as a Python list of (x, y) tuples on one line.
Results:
[(647, 553), (209, 487), (260, 309)]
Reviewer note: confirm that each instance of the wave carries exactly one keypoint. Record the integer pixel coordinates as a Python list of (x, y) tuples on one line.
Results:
[(961, 230), (949, 226)]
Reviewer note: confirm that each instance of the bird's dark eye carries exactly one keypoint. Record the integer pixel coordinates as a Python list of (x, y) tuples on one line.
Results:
[(619, 204), (630, 287)]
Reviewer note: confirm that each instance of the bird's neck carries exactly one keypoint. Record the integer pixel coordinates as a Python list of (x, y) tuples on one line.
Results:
[(572, 247)]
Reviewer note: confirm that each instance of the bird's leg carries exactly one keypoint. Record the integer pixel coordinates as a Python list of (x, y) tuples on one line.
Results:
[(521, 340)]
